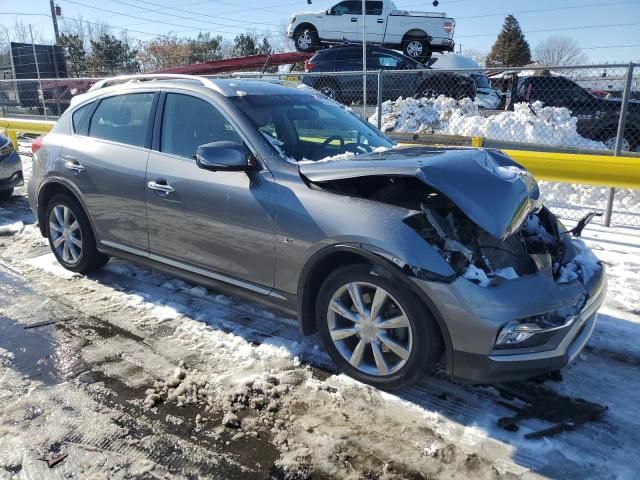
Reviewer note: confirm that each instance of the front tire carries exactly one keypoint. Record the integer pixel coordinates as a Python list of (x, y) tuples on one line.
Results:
[(71, 237), (5, 193), (329, 88), (306, 40), (376, 330)]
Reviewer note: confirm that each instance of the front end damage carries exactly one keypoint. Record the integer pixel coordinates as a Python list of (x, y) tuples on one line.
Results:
[(524, 294)]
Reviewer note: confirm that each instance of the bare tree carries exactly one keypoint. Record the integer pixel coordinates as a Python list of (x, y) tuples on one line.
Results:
[(478, 56), (559, 50)]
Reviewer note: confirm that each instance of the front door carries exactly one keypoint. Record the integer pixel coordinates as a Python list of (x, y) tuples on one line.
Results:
[(107, 162), (342, 21), (219, 221)]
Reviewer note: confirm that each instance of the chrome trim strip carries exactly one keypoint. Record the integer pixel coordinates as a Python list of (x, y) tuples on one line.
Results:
[(197, 270)]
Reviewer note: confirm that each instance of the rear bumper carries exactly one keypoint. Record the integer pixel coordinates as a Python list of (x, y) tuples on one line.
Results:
[(11, 171)]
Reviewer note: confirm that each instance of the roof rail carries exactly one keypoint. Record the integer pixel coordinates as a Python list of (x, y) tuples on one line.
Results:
[(144, 77)]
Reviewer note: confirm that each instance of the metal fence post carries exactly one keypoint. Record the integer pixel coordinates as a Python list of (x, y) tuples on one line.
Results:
[(619, 138), (379, 100), (35, 59)]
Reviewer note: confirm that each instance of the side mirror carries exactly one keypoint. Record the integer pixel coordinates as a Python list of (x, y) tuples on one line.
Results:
[(228, 156)]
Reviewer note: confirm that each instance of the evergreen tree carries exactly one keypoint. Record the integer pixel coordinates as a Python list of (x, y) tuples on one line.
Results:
[(511, 48), (244, 45), (205, 48), (111, 55), (265, 47), (74, 54)]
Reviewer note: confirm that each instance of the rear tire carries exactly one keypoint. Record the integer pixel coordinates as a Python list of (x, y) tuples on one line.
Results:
[(306, 40), (6, 193), (390, 351), (71, 237), (417, 48)]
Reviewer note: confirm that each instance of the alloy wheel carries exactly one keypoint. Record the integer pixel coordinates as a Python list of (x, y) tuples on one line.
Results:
[(65, 233), (610, 143), (369, 328), (305, 41), (414, 48), (329, 91)]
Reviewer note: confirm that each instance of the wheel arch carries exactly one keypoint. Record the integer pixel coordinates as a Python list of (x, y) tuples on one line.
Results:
[(327, 259), (55, 186), (305, 25), (415, 33)]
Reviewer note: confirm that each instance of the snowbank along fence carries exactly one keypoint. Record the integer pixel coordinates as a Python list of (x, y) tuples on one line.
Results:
[(572, 110)]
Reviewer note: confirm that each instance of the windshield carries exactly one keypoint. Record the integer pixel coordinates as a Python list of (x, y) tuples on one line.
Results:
[(310, 127), (481, 80)]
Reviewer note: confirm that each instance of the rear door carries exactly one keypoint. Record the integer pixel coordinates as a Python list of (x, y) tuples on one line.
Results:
[(342, 21), (107, 161), (216, 222)]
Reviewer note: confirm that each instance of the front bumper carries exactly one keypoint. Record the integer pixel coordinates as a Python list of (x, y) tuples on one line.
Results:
[(474, 316)]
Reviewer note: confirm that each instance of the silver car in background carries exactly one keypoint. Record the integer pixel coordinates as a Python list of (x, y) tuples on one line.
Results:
[(396, 257)]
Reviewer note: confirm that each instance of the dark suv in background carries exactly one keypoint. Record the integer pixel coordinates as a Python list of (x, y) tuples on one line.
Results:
[(597, 117), (348, 88)]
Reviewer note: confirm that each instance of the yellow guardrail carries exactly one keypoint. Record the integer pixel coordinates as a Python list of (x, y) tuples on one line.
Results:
[(14, 125), (603, 170)]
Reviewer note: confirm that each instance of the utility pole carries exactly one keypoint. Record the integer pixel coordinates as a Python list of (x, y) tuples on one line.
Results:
[(364, 61), (55, 21)]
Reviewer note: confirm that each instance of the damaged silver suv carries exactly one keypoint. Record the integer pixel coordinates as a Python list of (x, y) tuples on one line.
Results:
[(396, 257)]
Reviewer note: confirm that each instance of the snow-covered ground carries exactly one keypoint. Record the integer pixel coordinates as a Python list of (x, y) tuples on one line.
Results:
[(162, 378), (526, 123)]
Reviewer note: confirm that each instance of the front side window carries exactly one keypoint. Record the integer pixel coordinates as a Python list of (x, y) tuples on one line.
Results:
[(122, 118), (188, 122), (374, 8), (350, 7), (310, 127)]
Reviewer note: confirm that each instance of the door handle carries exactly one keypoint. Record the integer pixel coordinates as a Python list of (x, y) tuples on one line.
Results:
[(380, 20), (354, 19), (161, 187), (73, 164)]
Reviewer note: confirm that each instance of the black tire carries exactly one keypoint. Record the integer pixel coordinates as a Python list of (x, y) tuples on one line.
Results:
[(89, 258), (5, 193), (306, 40), (426, 348), (417, 48), (329, 87)]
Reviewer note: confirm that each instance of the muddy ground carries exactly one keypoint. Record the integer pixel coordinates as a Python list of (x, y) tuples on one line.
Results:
[(129, 373)]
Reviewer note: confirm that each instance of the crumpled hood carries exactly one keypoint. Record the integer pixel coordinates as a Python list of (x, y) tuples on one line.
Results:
[(489, 187)]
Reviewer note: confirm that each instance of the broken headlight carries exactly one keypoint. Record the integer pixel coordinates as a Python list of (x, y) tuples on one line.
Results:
[(532, 331)]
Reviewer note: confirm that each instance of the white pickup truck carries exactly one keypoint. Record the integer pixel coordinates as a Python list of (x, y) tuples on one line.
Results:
[(416, 33)]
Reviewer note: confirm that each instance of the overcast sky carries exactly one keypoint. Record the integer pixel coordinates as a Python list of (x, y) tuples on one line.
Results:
[(614, 25)]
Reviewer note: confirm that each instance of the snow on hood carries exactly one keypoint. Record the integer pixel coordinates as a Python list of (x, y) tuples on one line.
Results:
[(490, 188)]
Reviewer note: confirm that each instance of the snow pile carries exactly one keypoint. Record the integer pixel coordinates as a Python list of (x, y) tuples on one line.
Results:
[(533, 229), (478, 275), (583, 266), (527, 123)]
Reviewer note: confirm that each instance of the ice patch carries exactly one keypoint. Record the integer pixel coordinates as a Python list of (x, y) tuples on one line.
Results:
[(11, 228)]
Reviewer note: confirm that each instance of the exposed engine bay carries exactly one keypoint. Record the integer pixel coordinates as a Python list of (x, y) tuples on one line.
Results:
[(470, 250)]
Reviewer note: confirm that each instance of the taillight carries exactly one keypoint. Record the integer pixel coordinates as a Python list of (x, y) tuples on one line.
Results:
[(36, 144), (448, 26), (308, 66)]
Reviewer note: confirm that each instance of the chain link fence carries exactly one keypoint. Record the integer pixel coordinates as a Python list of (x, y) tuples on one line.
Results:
[(567, 109)]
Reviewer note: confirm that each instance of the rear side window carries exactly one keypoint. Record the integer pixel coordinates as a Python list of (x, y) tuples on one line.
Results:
[(78, 116), (123, 118), (188, 122)]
